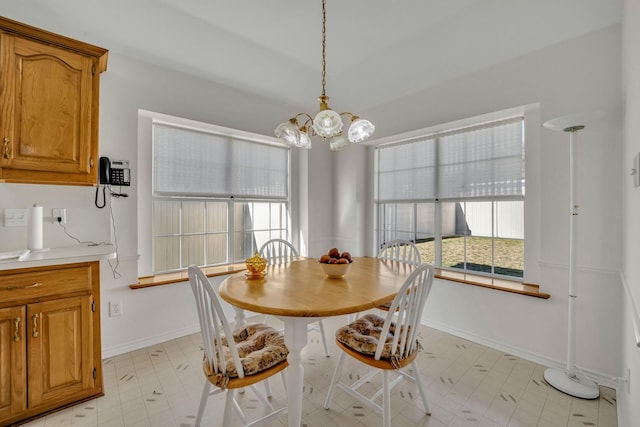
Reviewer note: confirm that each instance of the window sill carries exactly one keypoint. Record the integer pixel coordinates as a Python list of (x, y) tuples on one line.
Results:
[(183, 276), (492, 283), (466, 278)]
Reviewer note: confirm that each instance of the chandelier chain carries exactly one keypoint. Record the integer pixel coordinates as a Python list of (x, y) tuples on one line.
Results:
[(324, 46)]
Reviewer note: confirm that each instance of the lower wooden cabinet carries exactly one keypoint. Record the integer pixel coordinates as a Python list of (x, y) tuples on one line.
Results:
[(50, 354), (13, 355)]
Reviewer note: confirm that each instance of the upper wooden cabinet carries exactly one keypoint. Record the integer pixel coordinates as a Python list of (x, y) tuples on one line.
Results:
[(49, 104)]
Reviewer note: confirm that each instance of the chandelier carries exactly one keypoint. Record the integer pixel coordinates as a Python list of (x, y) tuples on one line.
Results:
[(327, 124)]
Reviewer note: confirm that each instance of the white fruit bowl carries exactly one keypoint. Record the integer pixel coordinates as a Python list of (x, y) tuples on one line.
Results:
[(335, 271)]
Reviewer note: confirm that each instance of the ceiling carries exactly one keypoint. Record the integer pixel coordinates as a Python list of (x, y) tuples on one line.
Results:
[(377, 50)]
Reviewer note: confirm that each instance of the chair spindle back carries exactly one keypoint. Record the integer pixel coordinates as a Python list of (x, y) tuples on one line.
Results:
[(406, 311), (279, 251), (213, 323), (401, 250)]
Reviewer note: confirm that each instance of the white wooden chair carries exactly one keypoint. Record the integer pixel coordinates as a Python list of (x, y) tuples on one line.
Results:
[(232, 372), (399, 250), (397, 350), (277, 252)]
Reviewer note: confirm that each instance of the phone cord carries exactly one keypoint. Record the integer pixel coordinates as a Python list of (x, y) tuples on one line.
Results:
[(104, 197)]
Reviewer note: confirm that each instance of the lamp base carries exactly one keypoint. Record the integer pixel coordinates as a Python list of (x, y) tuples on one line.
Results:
[(577, 386)]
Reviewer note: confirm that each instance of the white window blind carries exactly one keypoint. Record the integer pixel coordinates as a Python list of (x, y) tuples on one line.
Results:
[(408, 171), (197, 163), (484, 161)]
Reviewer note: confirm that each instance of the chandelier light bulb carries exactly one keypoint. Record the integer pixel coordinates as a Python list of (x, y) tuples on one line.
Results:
[(289, 132), (327, 123), (360, 130), (338, 142), (304, 141)]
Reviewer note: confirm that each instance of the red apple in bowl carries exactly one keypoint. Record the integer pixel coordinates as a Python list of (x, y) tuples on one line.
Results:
[(334, 256), (334, 253), (324, 258)]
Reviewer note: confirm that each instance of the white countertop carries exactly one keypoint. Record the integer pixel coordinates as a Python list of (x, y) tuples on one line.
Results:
[(62, 255)]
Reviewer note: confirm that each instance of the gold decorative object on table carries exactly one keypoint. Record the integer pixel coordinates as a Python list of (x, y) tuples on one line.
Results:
[(256, 266)]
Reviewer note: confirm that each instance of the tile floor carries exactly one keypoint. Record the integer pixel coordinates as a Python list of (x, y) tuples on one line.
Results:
[(468, 385)]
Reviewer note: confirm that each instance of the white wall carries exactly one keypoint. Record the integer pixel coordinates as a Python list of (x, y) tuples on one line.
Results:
[(576, 76), (629, 394), (317, 195), (351, 191)]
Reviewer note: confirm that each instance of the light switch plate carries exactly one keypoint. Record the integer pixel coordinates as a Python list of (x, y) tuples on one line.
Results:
[(16, 217)]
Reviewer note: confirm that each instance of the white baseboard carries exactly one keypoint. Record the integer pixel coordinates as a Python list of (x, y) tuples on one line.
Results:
[(160, 338), (598, 377), (148, 341)]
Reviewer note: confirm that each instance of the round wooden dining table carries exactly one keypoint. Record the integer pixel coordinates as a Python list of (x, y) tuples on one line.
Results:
[(300, 291)]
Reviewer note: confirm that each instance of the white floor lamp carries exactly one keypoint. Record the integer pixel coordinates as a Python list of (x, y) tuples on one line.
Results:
[(568, 380)]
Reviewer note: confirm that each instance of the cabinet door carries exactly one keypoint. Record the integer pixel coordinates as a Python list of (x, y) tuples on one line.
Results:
[(13, 376), (60, 357), (46, 103)]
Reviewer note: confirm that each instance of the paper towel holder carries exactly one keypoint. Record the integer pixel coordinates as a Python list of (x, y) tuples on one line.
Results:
[(34, 229)]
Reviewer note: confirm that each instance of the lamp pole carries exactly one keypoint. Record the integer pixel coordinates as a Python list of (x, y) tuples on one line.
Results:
[(568, 380), (573, 212)]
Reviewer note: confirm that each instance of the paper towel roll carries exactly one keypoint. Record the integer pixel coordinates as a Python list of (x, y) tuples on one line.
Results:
[(35, 228)]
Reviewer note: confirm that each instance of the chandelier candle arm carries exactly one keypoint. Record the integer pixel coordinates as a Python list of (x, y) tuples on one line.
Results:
[(327, 124)]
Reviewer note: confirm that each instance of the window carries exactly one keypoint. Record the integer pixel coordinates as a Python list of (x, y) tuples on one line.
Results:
[(217, 196), (459, 195)]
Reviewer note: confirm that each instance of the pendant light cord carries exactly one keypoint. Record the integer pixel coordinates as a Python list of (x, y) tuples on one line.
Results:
[(324, 46)]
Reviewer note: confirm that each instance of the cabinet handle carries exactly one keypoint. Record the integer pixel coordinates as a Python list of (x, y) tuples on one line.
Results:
[(34, 285), (35, 325), (16, 333), (5, 150)]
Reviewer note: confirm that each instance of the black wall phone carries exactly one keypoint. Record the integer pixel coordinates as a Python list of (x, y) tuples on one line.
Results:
[(114, 172)]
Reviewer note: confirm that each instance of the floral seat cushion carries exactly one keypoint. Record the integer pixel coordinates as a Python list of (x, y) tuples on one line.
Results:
[(363, 335), (259, 347)]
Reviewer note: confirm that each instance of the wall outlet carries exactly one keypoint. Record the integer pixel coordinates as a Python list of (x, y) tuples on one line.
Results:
[(115, 308), (59, 213), (16, 217)]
